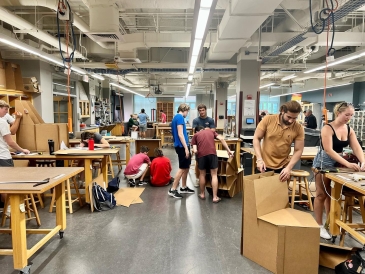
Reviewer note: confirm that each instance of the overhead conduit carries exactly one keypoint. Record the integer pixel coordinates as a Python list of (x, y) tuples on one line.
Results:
[(52, 4), (343, 11)]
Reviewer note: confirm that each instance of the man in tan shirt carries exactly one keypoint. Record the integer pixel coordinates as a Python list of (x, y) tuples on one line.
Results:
[(278, 133)]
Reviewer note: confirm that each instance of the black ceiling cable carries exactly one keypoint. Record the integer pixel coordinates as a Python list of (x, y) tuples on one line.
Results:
[(325, 15)]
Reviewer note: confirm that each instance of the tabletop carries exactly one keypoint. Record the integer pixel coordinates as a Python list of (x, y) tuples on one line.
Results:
[(110, 139), (31, 175), (345, 179), (86, 152)]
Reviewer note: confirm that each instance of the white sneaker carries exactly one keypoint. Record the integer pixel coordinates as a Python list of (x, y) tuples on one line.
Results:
[(196, 184), (324, 233)]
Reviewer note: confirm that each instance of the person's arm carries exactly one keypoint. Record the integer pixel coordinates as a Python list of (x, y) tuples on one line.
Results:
[(11, 143), (357, 150), (103, 143), (195, 149), (220, 138), (182, 140), (258, 136), (15, 125)]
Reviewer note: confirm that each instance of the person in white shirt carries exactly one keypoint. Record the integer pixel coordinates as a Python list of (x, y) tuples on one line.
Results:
[(14, 123), (6, 141)]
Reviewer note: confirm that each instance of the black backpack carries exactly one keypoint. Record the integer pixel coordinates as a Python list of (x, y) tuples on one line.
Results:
[(354, 265), (102, 199), (113, 185)]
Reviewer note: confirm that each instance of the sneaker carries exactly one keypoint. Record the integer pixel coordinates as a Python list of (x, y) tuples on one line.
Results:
[(175, 194), (324, 234), (186, 190), (196, 184), (142, 183), (131, 183)]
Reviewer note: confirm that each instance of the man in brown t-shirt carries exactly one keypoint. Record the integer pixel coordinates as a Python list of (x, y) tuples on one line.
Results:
[(278, 133), (206, 157)]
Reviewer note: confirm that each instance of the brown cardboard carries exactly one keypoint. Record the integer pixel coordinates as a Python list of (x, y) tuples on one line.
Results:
[(37, 119), (62, 134), (25, 137), (332, 255), (272, 232), (13, 76), (45, 132), (2, 75), (31, 84), (128, 196)]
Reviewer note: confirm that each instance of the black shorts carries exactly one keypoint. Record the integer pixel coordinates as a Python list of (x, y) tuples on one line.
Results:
[(208, 162), (275, 170), (6, 162), (183, 162)]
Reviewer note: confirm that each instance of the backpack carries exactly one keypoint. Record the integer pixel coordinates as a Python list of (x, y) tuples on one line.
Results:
[(354, 265), (113, 185), (102, 199)]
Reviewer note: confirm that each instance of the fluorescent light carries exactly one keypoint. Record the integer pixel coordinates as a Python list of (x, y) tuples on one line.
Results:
[(206, 3), (81, 71), (57, 84), (265, 86), (188, 86), (191, 69), (190, 77), (97, 76), (52, 60), (194, 60), (289, 77), (18, 46), (308, 90), (196, 46), (127, 89), (201, 25), (314, 69)]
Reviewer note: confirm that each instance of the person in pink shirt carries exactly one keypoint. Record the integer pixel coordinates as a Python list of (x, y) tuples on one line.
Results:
[(163, 116), (137, 167)]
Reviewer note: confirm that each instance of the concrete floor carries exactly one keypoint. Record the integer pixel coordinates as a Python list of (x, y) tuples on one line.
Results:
[(162, 235)]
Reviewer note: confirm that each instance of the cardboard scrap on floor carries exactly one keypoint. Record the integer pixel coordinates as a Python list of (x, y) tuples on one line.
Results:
[(127, 196)]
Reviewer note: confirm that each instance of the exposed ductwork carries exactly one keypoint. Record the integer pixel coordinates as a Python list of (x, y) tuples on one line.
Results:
[(52, 4), (249, 14)]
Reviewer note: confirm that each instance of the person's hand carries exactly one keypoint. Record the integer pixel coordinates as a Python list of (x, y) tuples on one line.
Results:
[(261, 166), (187, 153), (82, 144), (230, 154), (362, 166), (353, 166), (18, 114), (26, 111), (195, 152), (25, 151), (284, 174)]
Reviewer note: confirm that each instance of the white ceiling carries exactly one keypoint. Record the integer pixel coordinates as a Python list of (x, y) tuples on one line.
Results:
[(158, 33)]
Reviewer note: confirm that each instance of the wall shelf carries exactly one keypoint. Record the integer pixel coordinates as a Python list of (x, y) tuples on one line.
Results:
[(84, 106)]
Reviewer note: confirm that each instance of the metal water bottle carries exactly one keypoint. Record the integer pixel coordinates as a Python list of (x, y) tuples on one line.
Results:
[(91, 144), (51, 146)]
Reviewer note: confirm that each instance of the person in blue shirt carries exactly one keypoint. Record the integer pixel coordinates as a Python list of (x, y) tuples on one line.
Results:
[(181, 144), (143, 117)]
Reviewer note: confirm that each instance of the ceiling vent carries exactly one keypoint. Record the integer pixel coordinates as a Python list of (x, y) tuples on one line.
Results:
[(126, 60), (107, 36)]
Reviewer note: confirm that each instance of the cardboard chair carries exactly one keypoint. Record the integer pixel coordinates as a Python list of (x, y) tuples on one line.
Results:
[(281, 239)]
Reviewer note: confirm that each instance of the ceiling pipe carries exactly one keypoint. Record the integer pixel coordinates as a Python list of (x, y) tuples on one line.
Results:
[(52, 4)]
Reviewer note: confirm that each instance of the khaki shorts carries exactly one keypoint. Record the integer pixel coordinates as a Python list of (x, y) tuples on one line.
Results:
[(140, 172)]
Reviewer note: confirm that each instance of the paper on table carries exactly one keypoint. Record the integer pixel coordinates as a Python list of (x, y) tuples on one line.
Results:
[(63, 146), (22, 154)]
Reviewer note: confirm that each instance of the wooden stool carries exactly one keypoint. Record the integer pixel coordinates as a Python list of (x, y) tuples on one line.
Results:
[(69, 196), (298, 176), (29, 208), (48, 163), (118, 161), (97, 166), (348, 206)]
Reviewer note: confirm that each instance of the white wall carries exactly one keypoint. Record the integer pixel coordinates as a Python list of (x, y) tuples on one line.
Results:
[(128, 105)]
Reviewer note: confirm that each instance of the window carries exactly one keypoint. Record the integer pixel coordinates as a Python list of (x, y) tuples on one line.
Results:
[(231, 107), (146, 103), (269, 104), (190, 100)]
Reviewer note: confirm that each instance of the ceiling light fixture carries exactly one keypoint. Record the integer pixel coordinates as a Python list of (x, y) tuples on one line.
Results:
[(308, 90), (268, 85), (188, 87), (24, 47), (289, 77), (97, 76), (126, 89), (190, 77)]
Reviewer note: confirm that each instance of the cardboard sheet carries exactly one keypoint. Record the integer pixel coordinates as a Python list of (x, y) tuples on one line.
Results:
[(127, 196), (137, 201)]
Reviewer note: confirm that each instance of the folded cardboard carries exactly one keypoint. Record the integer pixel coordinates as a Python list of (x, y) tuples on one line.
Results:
[(2, 75), (272, 233), (31, 84), (332, 255), (13, 75)]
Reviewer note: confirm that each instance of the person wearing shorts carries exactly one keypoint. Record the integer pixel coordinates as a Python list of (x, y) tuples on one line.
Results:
[(137, 167), (143, 117), (181, 144), (206, 154)]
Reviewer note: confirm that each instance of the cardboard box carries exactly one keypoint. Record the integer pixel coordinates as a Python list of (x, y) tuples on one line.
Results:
[(25, 137), (2, 75), (13, 75), (273, 233), (332, 255), (31, 84)]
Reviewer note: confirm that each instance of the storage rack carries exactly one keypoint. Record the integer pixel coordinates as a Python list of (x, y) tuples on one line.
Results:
[(168, 108), (358, 124)]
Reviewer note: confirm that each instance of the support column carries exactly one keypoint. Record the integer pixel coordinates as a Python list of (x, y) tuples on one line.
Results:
[(247, 89), (220, 103)]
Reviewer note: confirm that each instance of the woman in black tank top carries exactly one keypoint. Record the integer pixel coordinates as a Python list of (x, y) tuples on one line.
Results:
[(335, 136)]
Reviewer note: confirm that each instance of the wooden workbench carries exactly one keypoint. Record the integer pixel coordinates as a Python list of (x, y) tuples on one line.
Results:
[(16, 192)]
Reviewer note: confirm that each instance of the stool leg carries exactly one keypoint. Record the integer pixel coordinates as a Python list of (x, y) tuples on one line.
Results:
[(76, 187), (293, 191), (300, 188), (69, 196), (6, 204), (349, 213), (27, 206), (342, 237), (344, 210), (40, 200), (35, 210), (52, 201), (119, 161), (362, 208), (309, 196), (111, 166)]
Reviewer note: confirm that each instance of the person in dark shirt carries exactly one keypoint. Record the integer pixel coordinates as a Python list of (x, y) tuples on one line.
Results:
[(310, 120), (160, 169), (203, 120), (133, 123), (206, 154)]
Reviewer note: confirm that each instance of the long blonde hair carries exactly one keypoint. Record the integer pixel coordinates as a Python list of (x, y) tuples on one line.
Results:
[(341, 107)]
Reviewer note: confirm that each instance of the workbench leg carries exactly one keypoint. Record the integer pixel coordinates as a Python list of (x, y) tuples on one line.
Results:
[(253, 164), (18, 235), (104, 169), (60, 206), (88, 178), (127, 153), (238, 153), (335, 211)]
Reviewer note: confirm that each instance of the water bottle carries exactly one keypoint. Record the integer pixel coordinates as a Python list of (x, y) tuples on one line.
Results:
[(51, 146), (91, 144)]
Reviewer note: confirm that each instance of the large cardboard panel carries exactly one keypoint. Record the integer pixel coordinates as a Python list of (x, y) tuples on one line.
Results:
[(45, 132), (29, 106), (127, 196), (290, 217), (271, 195), (63, 134), (2, 75), (9, 75), (18, 78), (332, 255), (25, 137), (27, 119)]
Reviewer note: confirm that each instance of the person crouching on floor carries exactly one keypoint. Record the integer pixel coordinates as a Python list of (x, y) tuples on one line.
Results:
[(137, 167), (161, 169)]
